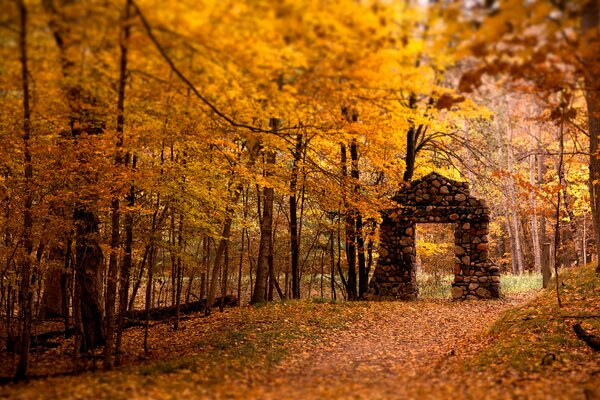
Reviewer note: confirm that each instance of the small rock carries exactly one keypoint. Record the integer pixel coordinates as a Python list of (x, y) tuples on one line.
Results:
[(459, 251), (460, 197), (457, 292)]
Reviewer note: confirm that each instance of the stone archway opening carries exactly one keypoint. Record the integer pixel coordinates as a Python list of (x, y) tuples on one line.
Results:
[(435, 199), (434, 259)]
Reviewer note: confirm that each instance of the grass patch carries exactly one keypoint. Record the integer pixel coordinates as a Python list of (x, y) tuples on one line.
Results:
[(527, 338), (438, 286), (433, 285), (527, 282)]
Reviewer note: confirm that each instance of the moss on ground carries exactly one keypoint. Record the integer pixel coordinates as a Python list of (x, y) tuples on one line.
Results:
[(539, 335)]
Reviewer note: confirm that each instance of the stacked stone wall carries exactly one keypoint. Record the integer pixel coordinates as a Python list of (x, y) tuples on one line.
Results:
[(435, 199)]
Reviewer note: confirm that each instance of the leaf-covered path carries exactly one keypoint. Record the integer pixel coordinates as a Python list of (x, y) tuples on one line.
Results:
[(396, 350), (428, 349)]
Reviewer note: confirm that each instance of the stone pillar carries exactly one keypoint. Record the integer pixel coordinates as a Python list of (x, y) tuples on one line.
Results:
[(462, 266), (395, 276), (480, 279)]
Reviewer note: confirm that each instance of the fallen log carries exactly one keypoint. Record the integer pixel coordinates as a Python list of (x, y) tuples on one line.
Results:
[(160, 313), (132, 318), (591, 340)]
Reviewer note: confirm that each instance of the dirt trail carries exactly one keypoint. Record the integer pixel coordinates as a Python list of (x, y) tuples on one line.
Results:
[(395, 351)]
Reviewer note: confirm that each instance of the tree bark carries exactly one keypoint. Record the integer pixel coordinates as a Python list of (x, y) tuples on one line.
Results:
[(85, 118), (363, 274), (294, 239), (411, 144), (266, 229), (350, 224), (590, 24), (25, 293)]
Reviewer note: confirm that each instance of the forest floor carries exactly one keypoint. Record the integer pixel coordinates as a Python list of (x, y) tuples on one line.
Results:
[(520, 347)]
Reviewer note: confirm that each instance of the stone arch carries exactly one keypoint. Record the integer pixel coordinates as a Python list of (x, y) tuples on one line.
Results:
[(435, 199)]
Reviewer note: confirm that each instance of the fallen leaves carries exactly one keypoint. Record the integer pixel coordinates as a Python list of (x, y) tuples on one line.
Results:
[(298, 349)]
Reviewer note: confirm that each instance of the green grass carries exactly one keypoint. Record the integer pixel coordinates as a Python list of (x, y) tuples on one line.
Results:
[(527, 282), (524, 338), (438, 286), (434, 286)]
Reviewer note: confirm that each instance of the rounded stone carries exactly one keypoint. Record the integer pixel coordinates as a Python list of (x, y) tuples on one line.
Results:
[(457, 292), (454, 217), (473, 286), (459, 251)]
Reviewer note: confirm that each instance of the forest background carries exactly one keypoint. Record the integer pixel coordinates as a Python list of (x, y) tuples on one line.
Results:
[(160, 154)]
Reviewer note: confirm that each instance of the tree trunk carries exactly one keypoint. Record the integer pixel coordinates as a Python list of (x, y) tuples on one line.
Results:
[(514, 217), (590, 24), (25, 294), (88, 276), (294, 239), (535, 238), (363, 275), (411, 145), (214, 278), (111, 287), (85, 118), (124, 276), (350, 225), (266, 229)]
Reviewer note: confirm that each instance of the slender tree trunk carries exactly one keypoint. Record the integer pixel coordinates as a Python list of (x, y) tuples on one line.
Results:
[(537, 253), (558, 196), (149, 293), (125, 273), (179, 271), (266, 230), (85, 118), (243, 242), (350, 235), (214, 278), (294, 239), (411, 145), (363, 274), (514, 218), (115, 242), (332, 260), (25, 294), (590, 25)]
